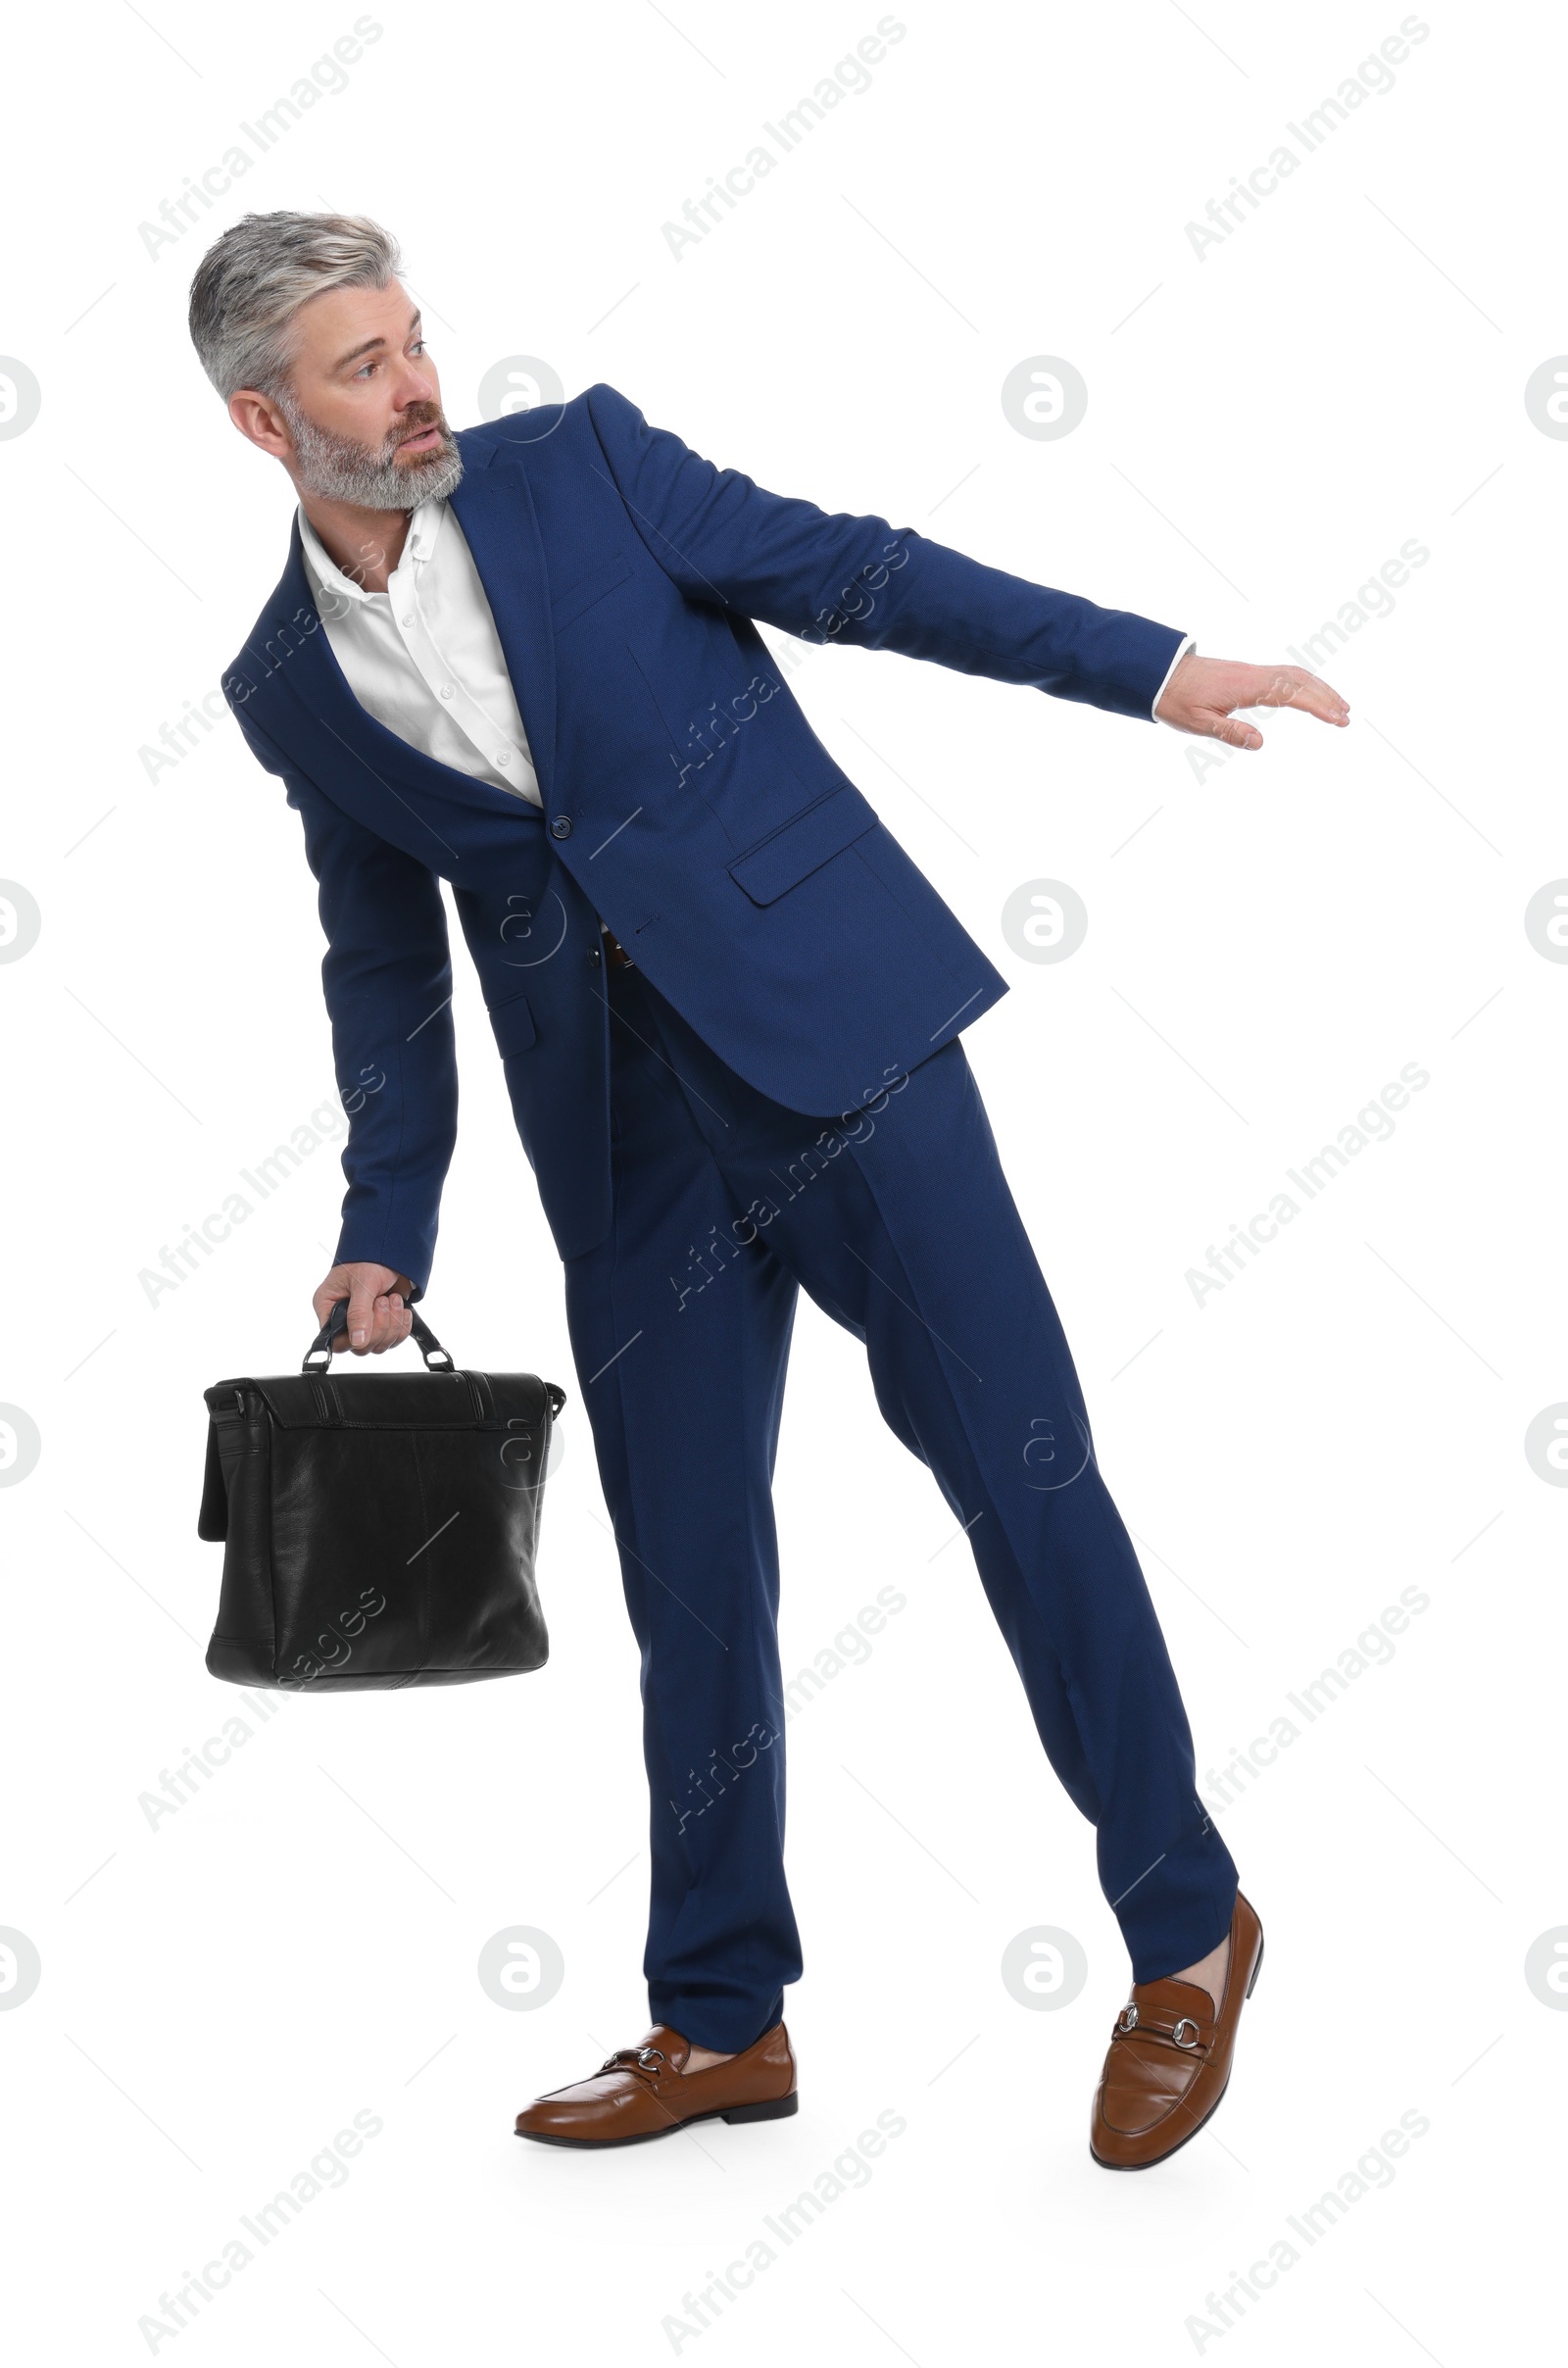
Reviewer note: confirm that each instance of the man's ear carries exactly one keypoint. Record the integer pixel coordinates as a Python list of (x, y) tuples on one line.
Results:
[(260, 423)]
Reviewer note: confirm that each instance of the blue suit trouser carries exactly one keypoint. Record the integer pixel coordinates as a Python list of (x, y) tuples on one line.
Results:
[(898, 1221)]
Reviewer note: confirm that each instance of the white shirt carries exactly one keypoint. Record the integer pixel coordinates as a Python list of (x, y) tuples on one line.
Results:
[(1189, 642), (423, 657)]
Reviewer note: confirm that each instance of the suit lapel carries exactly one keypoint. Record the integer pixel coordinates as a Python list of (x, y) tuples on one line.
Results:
[(494, 506), (302, 699)]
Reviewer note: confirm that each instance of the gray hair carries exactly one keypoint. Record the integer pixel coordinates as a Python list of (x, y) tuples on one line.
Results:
[(253, 280)]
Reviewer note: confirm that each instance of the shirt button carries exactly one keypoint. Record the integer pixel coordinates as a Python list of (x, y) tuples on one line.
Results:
[(560, 827), (446, 690), (503, 755)]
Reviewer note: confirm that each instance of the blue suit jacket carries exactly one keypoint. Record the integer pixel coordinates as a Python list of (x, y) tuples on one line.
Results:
[(687, 804)]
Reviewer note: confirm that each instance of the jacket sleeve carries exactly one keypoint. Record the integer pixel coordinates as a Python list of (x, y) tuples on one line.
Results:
[(723, 539), (387, 978)]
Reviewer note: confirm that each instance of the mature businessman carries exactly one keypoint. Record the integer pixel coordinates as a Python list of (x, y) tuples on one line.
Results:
[(522, 659)]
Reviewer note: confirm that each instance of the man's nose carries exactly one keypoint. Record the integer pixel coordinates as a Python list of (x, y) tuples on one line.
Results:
[(416, 386)]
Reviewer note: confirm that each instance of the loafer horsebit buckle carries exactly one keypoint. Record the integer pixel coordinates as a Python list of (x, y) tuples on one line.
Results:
[(644, 2058), (1127, 2021)]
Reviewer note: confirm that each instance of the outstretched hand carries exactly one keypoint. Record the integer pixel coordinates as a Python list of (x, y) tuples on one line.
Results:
[(1203, 693)]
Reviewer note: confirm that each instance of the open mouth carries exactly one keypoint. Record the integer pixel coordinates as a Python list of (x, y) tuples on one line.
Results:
[(423, 439)]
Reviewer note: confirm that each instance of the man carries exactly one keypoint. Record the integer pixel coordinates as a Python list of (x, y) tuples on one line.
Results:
[(523, 659)]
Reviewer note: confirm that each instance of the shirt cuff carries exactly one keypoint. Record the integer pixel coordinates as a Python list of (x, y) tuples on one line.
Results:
[(1190, 643)]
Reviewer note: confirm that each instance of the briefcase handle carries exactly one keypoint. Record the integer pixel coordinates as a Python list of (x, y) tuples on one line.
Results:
[(319, 1355)]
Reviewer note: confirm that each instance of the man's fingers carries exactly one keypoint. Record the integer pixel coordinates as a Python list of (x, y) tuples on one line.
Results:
[(1294, 686), (391, 1323), (364, 1312), (378, 1314), (1205, 691), (1236, 733), (324, 1300)]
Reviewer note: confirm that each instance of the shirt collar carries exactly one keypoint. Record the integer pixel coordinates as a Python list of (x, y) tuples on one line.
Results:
[(423, 527)]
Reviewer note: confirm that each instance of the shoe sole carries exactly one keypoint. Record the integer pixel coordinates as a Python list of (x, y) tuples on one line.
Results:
[(1155, 2160), (773, 2108)]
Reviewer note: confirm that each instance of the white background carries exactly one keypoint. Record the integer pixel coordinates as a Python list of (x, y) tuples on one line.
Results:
[(1266, 425)]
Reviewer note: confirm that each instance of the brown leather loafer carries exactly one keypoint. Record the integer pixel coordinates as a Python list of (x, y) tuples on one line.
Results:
[(643, 2092), (1170, 2060)]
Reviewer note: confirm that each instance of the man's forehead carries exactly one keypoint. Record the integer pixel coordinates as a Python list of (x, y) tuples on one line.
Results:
[(341, 321)]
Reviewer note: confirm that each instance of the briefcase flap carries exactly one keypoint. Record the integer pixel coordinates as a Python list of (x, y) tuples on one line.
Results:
[(392, 1402), (212, 1522)]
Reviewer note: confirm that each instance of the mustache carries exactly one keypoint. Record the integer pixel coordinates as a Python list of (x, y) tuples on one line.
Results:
[(415, 421)]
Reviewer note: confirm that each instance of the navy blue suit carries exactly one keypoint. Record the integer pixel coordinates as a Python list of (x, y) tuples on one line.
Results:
[(775, 1097)]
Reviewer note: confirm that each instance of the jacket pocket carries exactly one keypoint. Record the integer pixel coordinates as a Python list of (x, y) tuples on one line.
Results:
[(803, 845), (579, 598), (512, 1022)]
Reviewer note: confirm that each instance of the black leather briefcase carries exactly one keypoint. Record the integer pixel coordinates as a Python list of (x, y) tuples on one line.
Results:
[(378, 1529)]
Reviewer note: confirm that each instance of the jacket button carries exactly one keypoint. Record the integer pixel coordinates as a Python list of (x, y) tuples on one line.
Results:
[(595, 954), (560, 827)]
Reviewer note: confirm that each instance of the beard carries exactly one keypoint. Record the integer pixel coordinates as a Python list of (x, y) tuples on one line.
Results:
[(338, 470)]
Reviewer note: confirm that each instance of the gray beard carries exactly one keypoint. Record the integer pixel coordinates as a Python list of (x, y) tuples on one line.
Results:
[(338, 470)]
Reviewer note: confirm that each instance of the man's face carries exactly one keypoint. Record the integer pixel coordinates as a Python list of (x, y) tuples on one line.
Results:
[(362, 405)]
